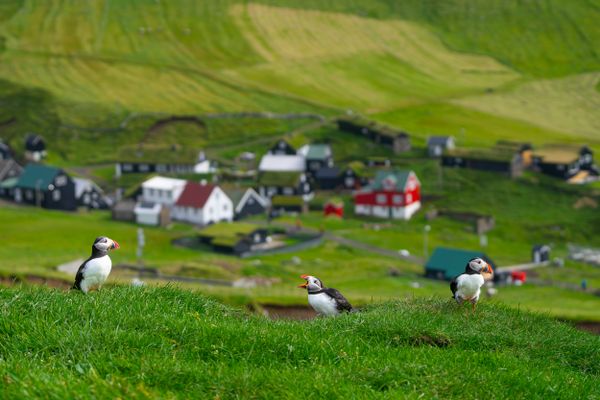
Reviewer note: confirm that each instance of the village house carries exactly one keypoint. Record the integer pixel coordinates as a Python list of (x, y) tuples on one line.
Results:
[(282, 148), (203, 204), (153, 214), (89, 195), (5, 152), (234, 238), (46, 187), (393, 194), (570, 162), (317, 156), (397, 140), (285, 184), (446, 263), (287, 204), (436, 145), (162, 190), (510, 158), (247, 202), (355, 176), (328, 178), (35, 148)]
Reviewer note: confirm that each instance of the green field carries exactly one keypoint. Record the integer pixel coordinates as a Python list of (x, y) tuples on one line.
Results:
[(479, 70), (166, 343)]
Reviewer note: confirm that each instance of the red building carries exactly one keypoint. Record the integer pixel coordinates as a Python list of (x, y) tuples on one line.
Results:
[(334, 207), (393, 194)]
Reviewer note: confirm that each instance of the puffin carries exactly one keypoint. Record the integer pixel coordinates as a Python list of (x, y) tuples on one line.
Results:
[(467, 286), (94, 271), (325, 301)]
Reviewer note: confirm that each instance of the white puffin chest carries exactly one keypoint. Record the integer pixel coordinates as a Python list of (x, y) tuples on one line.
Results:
[(97, 270), (468, 285), (323, 303)]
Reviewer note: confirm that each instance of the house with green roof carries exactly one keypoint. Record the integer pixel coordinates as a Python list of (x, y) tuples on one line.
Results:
[(275, 183), (233, 237), (46, 187), (317, 156), (447, 263)]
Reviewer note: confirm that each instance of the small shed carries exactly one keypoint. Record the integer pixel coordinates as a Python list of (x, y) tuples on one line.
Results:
[(447, 263), (153, 214), (540, 253), (436, 145), (124, 211), (334, 207)]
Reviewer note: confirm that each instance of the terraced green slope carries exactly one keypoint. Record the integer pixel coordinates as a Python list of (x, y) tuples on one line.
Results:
[(378, 57)]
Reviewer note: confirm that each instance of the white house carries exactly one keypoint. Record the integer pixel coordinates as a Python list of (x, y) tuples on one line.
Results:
[(203, 204), (282, 163), (204, 167), (162, 190)]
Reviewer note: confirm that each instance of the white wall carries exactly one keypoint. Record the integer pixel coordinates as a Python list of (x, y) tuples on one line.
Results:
[(147, 219)]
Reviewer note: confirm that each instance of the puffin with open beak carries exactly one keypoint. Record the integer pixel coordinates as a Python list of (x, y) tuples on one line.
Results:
[(324, 300), (95, 270), (467, 286)]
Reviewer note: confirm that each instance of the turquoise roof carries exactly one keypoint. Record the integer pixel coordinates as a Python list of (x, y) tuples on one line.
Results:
[(398, 178), (452, 261), (37, 176)]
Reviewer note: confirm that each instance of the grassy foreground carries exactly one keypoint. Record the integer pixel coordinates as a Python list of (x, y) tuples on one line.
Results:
[(166, 343)]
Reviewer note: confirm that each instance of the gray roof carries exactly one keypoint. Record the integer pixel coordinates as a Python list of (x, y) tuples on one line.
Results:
[(438, 140), (81, 185)]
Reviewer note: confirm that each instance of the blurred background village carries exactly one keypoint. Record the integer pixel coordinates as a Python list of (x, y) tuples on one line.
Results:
[(232, 165)]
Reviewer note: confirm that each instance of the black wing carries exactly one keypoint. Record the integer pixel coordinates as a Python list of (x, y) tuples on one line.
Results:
[(342, 303), (454, 287), (79, 275)]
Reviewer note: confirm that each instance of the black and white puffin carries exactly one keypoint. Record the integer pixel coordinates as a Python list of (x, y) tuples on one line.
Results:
[(94, 271), (467, 286), (324, 300)]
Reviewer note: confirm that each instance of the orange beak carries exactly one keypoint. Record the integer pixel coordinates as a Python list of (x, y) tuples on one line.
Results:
[(305, 284), (488, 269), (115, 245)]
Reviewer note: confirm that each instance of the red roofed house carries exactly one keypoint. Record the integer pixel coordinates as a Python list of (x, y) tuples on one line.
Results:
[(334, 207), (202, 204), (393, 194)]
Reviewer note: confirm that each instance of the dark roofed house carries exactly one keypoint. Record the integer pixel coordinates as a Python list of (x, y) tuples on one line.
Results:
[(237, 238), (328, 178), (89, 195), (317, 156), (355, 175), (503, 158), (47, 187), (284, 184), (436, 145), (571, 162), (446, 263), (282, 148), (247, 202), (5, 152), (35, 148)]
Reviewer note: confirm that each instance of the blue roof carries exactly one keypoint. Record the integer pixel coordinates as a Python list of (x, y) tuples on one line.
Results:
[(452, 262)]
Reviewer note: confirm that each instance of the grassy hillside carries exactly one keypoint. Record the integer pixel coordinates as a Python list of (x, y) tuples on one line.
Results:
[(489, 61), (167, 343)]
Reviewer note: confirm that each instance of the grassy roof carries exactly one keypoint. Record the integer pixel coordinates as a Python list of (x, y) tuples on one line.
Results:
[(272, 178), (492, 154), (228, 229), (559, 154), (287, 201)]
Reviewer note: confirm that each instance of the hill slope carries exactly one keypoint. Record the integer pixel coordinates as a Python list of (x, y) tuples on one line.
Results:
[(373, 56), (140, 343)]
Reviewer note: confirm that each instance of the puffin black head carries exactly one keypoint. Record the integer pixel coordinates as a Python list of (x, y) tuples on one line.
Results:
[(103, 244), (312, 284), (478, 266)]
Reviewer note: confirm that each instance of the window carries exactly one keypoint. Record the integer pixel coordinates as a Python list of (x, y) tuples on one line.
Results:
[(306, 188), (61, 180), (150, 192), (224, 207), (127, 167), (168, 194), (397, 199), (250, 200), (56, 195), (381, 199), (29, 195), (144, 168), (350, 182), (288, 191), (86, 198)]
